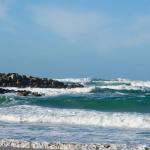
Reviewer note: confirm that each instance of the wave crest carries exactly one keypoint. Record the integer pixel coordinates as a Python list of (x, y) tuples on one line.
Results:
[(55, 92), (74, 80), (26, 113)]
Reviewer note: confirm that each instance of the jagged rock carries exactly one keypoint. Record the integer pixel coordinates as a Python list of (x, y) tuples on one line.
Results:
[(23, 93), (36, 94), (75, 86), (19, 92), (3, 91), (23, 81)]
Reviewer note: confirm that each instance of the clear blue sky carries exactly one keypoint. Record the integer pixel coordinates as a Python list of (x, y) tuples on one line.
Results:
[(76, 38)]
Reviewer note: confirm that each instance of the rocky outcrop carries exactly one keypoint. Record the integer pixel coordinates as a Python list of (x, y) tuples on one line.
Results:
[(23, 93), (3, 91), (36, 94), (23, 81), (20, 92), (74, 86)]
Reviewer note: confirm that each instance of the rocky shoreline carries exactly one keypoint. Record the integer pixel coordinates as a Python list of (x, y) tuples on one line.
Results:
[(19, 144), (23, 81), (20, 92)]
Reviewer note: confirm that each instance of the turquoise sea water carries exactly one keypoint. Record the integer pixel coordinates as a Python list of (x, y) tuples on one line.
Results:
[(104, 111)]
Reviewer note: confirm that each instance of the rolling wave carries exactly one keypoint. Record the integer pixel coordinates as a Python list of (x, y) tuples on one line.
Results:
[(26, 113), (116, 84), (88, 102), (75, 80), (55, 92), (91, 85), (122, 84), (108, 105)]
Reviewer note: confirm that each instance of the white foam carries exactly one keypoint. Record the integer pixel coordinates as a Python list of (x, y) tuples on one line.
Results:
[(145, 84), (118, 84), (55, 92), (125, 84), (120, 87), (118, 80), (135, 83), (74, 80), (38, 114)]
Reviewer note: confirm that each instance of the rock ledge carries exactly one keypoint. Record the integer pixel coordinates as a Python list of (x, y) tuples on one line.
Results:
[(23, 81)]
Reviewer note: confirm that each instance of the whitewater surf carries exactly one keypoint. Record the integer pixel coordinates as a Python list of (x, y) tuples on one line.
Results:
[(103, 111)]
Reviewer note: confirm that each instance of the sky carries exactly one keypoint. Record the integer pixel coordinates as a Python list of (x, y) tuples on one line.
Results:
[(76, 38)]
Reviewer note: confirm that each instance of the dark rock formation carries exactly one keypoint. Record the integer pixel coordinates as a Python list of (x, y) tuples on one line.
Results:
[(36, 94), (20, 92), (75, 86), (23, 93), (3, 91), (23, 81)]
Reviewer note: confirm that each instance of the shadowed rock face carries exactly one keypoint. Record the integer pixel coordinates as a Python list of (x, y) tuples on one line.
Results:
[(21, 92), (23, 81), (3, 91)]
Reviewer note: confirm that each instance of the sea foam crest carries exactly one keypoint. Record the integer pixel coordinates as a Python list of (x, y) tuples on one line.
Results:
[(124, 84), (26, 113), (55, 92), (134, 83), (145, 84), (74, 80), (120, 87)]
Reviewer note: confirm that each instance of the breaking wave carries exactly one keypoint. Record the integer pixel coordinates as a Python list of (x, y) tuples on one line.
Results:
[(55, 92), (122, 84), (106, 105), (91, 85), (118, 84), (24, 113), (75, 80)]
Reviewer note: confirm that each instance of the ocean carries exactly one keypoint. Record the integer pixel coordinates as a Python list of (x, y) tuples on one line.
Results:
[(104, 111)]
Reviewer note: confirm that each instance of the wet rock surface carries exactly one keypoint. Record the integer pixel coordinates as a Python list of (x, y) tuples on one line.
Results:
[(3, 91), (23, 93), (23, 81), (20, 92), (36, 94)]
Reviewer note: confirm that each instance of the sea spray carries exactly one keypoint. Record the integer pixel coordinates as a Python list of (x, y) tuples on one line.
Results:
[(26, 113), (104, 111)]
